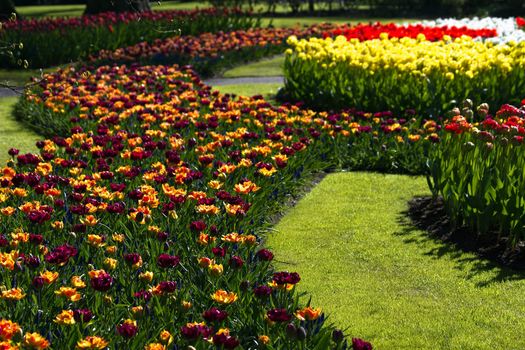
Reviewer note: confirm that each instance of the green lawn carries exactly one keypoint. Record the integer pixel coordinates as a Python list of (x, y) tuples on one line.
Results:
[(19, 77), (386, 281), (77, 10), (13, 133), (263, 68), (51, 10)]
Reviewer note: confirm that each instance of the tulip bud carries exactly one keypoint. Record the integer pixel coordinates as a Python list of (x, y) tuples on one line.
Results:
[(186, 305), (468, 103), (291, 330), (301, 333), (484, 106), (482, 113), (245, 285), (455, 111), (38, 282), (39, 314), (467, 113), (467, 146), (137, 311), (337, 335)]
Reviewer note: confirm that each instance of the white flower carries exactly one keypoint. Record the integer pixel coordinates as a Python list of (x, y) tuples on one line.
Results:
[(506, 27)]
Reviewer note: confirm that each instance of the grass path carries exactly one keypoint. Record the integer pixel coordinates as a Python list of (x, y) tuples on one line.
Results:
[(386, 281), (264, 68), (268, 67), (19, 77), (13, 133)]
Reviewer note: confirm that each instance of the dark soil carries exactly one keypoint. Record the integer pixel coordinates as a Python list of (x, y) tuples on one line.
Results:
[(431, 216)]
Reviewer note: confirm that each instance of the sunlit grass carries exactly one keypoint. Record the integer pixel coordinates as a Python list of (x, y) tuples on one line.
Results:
[(20, 77), (77, 10), (371, 271), (13, 133), (264, 68)]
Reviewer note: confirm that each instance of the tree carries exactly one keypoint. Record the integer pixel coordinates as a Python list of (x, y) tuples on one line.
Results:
[(295, 5), (311, 6), (7, 8), (98, 6)]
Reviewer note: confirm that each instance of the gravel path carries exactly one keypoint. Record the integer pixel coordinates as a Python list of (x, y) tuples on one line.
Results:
[(4, 92), (245, 80)]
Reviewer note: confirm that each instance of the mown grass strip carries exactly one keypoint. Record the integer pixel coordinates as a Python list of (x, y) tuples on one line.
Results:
[(77, 10), (264, 68), (387, 281), (20, 77), (12, 132)]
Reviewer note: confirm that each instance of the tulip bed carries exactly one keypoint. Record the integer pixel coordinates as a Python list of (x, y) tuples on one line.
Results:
[(404, 73), (209, 51), (509, 29), (364, 32), (49, 42), (478, 171), (140, 221)]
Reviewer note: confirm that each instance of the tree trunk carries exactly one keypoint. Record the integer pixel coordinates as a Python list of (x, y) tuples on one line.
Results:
[(98, 6), (311, 6), (7, 8)]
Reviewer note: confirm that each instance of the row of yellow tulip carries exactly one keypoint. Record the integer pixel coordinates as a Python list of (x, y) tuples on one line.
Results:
[(402, 73)]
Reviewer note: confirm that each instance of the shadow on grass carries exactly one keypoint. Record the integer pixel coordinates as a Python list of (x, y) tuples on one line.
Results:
[(465, 259)]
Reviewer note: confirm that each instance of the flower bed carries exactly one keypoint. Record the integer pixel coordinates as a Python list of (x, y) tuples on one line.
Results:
[(404, 73), (478, 170), (209, 51), (140, 225), (48, 42), (507, 28), (364, 32)]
